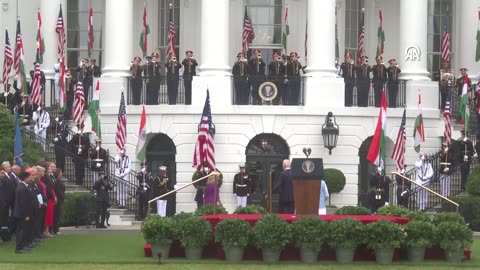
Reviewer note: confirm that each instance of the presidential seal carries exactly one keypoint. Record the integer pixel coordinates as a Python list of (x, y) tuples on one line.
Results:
[(308, 166), (268, 91)]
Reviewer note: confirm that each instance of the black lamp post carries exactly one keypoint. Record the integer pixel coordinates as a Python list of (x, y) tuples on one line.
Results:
[(330, 132)]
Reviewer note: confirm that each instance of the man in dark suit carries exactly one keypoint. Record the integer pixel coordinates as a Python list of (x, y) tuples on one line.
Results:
[(60, 141), (79, 147), (23, 212), (101, 187), (59, 188), (8, 186), (287, 202)]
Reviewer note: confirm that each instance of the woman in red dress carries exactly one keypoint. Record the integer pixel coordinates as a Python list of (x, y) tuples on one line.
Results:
[(51, 201)]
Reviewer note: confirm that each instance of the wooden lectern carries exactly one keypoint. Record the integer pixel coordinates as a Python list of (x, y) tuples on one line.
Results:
[(307, 175)]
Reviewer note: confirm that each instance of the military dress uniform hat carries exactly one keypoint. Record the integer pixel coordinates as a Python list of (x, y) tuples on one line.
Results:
[(348, 54), (162, 168), (155, 54), (464, 68), (256, 51), (392, 60), (241, 165), (379, 57), (276, 53), (86, 60), (137, 58), (188, 51), (240, 54), (98, 140), (293, 54)]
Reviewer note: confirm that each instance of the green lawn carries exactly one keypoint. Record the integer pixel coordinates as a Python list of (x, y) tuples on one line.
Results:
[(125, 251)]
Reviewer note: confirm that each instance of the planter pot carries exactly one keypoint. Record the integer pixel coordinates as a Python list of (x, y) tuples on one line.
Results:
[(384, 255), (308, 255), (233, 254), (193, 253), (344, 255), (271, 255), (416, 254), (454, 256), (160, 248)]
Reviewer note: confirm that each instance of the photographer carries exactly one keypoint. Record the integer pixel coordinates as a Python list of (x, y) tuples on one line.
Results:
[(102, 186)]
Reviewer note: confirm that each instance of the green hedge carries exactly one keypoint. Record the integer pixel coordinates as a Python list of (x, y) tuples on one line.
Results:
[(251, 209), (469, 209), (208, 210), (353, 210), (473, 184), (78, 209)]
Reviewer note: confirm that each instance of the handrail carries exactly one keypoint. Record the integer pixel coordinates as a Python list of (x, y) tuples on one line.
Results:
[(429, 190), (215, 173)]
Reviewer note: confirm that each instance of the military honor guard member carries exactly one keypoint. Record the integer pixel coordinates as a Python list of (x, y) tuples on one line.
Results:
[(348, 73), (96, 71), (404, 188), (465, 157), (161, 185), (79, 147), (445, 172), (151, 73), (276, 74), (242, 186), (379, 190), (392, 86), (70, 85), (292, 69), (26, 110), (200, 186), (41, 119), (256, 67), (136, 81), (145, 182), (173, 74), (101, 187), (189, 70), (363, 82), (99, 159), (446, 82), (460, 81), (60, 141), (123, 165), (423, 176), (240, 73), (85, 76), (379, 71)]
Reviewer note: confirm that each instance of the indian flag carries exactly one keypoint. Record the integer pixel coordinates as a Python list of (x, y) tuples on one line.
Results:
[(376, 153), (464, 106), (418, 131), (94, 109), (286, 30), (380, 34), (142, 136)]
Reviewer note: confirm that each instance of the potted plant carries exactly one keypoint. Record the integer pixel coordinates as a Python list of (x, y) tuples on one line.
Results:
[(309, 234), (159, 232), (271, 234), (453, 238), (335, 180), (383, 237), (194, 233), (233, 234), (344, 235), (419, 236)]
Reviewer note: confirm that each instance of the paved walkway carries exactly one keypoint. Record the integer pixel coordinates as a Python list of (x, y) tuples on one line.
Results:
[(91, 230)]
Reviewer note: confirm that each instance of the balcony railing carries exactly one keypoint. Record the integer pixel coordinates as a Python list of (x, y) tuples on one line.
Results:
[(401, 95), (162, 93)]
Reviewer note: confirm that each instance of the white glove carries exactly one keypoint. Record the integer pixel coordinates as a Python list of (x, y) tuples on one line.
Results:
[(99, 164), (23, 103), (97, 148), (5, 94), (122, 174), (55, 139), (423, 157), (143, 170), (56, 119), (465, 139)]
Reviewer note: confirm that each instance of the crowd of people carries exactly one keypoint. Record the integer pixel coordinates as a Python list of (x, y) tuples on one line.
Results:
[(31, 200)]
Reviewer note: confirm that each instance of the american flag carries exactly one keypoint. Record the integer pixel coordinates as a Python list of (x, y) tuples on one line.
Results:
[(446, 40), (171, 35), (361, 36), (398, 153), (248, 34), (60, 29), (204, 149), (90, 33), (8, 59), (121, 135), (18, 60), (79, 105), (447, 134), (36, 81)]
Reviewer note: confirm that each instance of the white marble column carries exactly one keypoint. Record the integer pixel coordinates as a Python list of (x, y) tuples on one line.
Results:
[(412, 56), (215, 38), (49, 12), (465, 44), (321, 38), (214, 70), (118, 37)]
